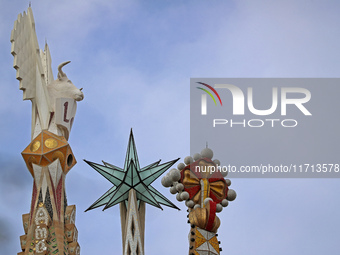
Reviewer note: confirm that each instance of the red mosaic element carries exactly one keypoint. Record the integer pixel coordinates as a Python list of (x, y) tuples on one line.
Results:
[(59, 195), (212, 215), (191, 181)]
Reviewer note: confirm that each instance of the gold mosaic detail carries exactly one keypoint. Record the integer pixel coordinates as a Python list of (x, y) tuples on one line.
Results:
[(46, 148), (199, 240), (51, 143), (214, 243), (58, 155), (35, 146)]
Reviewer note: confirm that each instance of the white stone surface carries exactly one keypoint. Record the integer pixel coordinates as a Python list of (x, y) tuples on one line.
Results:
[(55, 171), (36, 78), (37, 173), (133, 231)]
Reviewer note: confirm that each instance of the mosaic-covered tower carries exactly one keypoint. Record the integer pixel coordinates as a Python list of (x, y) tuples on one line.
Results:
[(199, 181), (50, 225)]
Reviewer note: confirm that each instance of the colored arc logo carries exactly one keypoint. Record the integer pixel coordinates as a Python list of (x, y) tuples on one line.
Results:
[(218, 96)]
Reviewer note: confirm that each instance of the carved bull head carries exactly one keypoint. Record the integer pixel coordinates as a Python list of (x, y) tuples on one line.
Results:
[(63, 87)]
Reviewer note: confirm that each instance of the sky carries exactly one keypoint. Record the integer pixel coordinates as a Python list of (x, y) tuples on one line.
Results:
[(134, 60)]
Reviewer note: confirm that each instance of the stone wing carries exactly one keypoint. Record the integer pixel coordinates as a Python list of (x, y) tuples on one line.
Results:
[(33, 68)]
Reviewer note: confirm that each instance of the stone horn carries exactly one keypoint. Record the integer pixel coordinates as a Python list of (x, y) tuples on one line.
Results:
[(60, 71)]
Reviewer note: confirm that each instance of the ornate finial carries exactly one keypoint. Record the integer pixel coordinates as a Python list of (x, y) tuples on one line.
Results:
[(132, 189), (132, 176), (199, 181), (30, 4)]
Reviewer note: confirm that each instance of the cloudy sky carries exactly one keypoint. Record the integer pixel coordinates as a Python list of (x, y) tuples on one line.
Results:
[(134, 60)]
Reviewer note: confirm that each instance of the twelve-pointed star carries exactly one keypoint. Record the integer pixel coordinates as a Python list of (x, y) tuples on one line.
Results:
[(131, 177)]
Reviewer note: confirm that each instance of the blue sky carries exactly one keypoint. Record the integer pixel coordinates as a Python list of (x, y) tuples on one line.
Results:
[(134, 60)]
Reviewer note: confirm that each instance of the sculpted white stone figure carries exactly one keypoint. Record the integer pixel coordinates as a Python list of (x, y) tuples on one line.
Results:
[(53, 101), (63, 87), (63, 94)]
